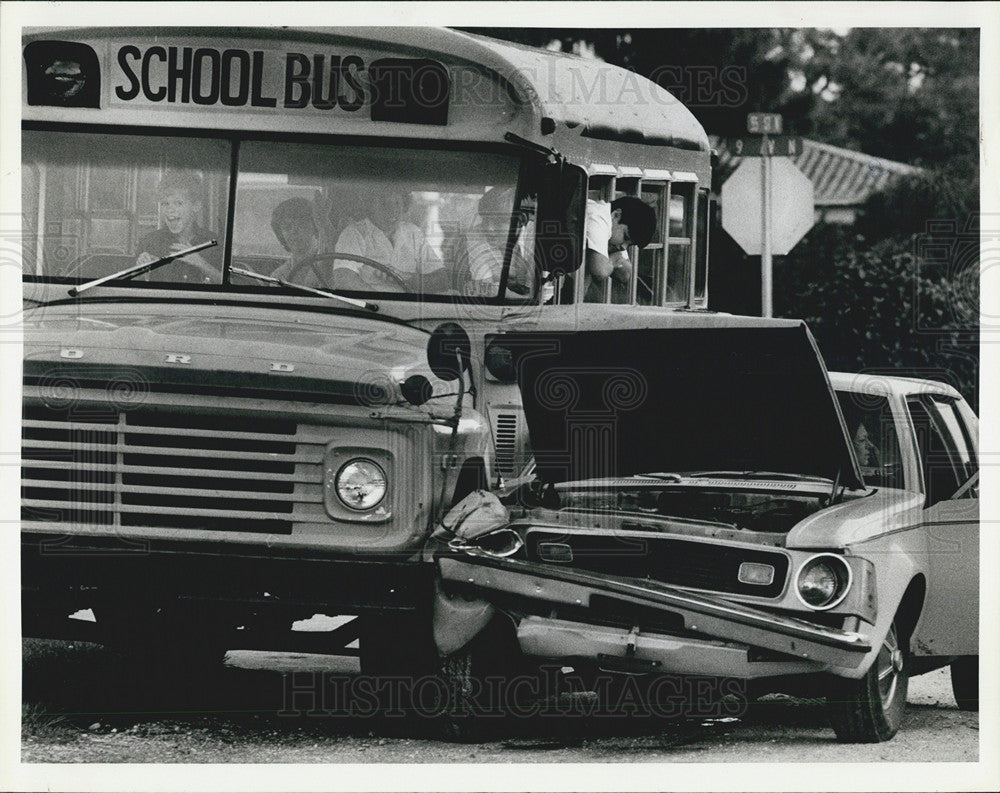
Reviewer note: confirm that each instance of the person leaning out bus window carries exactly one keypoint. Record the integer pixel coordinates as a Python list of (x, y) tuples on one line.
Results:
[(296, 230), (179, 194), (611, 228)]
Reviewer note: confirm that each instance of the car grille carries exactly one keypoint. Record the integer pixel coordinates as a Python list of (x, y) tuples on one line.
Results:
[(699, 565), (169, 470)]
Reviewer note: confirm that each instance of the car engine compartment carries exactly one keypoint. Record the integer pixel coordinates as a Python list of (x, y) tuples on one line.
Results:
[(744, 510)]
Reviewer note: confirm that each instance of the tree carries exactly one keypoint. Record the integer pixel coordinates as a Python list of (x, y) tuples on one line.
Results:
[(903, 296), (905, 94)]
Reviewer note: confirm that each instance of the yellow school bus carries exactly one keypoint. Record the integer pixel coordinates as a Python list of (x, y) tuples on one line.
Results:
[(247, 255)]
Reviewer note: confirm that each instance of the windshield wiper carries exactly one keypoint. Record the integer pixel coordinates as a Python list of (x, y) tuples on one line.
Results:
[(270, 279), (139, 269), (761, 475), (670, 477)]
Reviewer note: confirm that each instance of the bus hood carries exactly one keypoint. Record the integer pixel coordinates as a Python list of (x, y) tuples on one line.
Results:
[(258, 350), (749, 397)]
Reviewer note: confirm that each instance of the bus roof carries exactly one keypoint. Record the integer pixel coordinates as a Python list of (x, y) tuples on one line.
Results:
[(589, 110), (590, 96)]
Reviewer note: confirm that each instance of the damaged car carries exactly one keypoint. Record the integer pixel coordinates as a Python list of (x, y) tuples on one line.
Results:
[(711, 502)]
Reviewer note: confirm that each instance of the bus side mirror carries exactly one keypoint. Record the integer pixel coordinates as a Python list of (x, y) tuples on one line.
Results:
[(561, 212), (449, 351)]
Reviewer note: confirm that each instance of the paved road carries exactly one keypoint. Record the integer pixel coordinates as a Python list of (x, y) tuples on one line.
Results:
[(81, 705)]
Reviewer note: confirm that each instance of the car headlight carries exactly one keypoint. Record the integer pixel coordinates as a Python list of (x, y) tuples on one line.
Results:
[(823, 581), (360, 484), (499, 543)]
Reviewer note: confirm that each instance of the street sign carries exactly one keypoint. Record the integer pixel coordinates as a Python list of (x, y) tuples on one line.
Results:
[(791, 197), (764, 123), (766, 146)]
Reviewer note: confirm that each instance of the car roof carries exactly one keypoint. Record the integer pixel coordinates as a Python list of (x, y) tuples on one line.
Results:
[(886, 385)]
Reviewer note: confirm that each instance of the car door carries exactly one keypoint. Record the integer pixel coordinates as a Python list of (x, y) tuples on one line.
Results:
[(947, 433)]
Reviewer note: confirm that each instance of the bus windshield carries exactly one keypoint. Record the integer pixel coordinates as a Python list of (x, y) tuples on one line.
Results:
[(409, 221)]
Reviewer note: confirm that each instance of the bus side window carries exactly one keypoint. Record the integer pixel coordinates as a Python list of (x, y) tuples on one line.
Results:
[(650, 266), (662, 271), (701, 250), (600, 187), (621, 291), (680, 227)]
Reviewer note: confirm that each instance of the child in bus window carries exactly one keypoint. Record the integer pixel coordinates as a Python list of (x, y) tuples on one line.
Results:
[(295, 227), (610, 229), (179, 194)]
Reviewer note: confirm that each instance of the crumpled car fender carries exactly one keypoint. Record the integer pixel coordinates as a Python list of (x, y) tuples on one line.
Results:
[(457, 620), (477, 514), (897, 567)]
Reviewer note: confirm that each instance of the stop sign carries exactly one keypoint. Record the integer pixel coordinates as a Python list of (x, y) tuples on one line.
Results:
[(791, 205)]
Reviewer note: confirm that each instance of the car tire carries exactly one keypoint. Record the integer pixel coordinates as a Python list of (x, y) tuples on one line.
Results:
[(474, 704), (871, 708), (965, 682)]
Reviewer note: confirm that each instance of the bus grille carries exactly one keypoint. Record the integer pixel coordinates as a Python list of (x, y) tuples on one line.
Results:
[(168, 470)]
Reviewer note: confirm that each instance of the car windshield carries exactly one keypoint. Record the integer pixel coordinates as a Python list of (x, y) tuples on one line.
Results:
[(872, 431), (378, 220)]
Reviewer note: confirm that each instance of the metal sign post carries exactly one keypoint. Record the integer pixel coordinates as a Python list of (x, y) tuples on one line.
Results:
[(766, 304), (767, 208), (763, 124)]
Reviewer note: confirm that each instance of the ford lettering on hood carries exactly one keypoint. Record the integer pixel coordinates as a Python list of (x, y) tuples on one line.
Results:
[(197, 345)]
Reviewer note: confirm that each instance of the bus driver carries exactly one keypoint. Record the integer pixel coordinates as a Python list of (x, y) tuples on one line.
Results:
[(389, 238)]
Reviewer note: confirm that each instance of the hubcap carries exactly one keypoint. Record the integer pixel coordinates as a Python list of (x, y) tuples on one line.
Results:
[(889, 665)]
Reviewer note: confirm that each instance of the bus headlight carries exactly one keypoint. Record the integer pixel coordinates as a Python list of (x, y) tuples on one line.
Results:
[(823, 581), (360, 484)]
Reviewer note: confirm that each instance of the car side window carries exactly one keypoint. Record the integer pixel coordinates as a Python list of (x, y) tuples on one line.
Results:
[(947, 456), (958, 432)]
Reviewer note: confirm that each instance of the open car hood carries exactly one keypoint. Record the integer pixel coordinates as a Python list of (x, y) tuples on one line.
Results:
[(746, 397)]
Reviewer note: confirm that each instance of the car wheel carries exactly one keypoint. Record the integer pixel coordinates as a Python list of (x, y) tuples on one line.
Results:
[(965, 682), (870, 709), (474, 690)]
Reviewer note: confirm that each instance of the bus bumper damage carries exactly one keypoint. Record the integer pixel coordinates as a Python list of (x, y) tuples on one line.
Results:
[(634, 625)]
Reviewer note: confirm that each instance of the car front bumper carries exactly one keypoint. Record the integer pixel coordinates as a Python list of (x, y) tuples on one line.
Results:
[(713, 633)]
